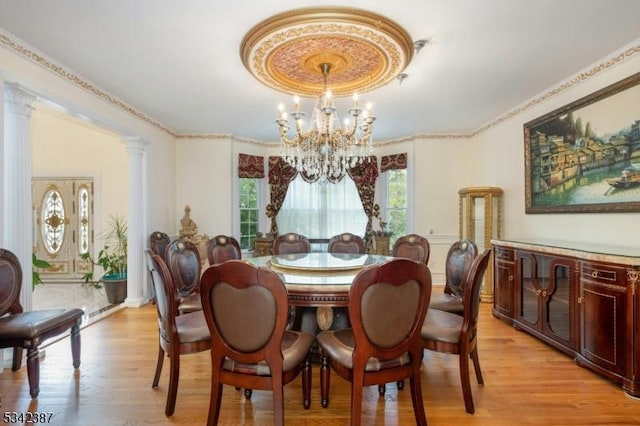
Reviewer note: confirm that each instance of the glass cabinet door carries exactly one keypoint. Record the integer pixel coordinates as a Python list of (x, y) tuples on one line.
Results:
[(558, 313), (528, 290)]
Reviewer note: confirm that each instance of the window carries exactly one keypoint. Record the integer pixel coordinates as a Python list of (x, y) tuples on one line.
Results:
[(248, 206), (321, 210), (396, 203)]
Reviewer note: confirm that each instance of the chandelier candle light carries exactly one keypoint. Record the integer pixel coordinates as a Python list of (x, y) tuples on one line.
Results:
[(326, 150)]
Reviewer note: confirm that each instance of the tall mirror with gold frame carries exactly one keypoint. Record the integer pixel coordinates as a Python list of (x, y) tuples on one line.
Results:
[(480, 221)]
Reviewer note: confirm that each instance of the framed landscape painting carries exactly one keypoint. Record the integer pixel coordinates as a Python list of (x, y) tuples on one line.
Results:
[(585, 156)]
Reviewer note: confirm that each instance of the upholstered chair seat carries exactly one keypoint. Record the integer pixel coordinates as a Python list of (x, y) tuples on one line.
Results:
[(341, 344), (295, 348), (447, 302), (441, 325)]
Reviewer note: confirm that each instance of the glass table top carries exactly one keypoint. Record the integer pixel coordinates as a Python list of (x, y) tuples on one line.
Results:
[(318, 269)]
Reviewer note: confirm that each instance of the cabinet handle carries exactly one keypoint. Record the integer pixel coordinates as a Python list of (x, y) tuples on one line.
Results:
[(538, 291), (580, 299), (544, 293), (594, 274), (510, 277)]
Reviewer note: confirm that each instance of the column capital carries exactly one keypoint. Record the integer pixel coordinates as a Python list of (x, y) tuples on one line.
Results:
[(135, 144), (17, 100)]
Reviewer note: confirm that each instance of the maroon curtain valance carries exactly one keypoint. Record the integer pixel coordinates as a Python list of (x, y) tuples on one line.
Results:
[(250, 166), (393, 162)]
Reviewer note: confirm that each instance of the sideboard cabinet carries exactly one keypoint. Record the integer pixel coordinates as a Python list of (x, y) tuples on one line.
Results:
[(583, 300)]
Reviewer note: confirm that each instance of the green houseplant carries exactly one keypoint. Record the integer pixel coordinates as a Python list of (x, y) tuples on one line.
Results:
[(112, 258), (37, 264)]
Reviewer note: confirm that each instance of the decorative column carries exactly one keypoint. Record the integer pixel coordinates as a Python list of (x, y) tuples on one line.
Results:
[(136, 148), (17, 204)]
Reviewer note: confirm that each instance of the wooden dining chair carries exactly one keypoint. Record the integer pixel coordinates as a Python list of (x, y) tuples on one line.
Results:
[(183, 261), (158, 242), (346, 243), (28, 330), (412, 246), (178, 334), (387, 307), (246, 308), (291, 243), (454, 334), (459, 259), (222, 248)]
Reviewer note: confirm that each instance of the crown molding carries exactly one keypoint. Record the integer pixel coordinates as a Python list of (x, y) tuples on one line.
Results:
[(20, 48)]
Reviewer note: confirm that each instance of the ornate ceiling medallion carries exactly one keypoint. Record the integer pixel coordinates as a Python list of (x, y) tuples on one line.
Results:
[(365, 50)]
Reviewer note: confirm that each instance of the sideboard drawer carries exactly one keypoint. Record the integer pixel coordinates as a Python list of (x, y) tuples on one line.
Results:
[(603, 273)]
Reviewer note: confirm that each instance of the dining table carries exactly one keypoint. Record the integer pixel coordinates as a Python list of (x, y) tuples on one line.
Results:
[(319, 279)]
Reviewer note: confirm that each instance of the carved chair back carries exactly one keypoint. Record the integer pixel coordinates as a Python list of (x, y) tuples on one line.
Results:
[(346, 243), (291, 243), (412, 246), (158, 242), (459, 259), (10, 283), (183, 261), (222, 248)]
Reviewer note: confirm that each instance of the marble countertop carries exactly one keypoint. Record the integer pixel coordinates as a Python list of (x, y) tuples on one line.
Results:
[(588, 251)]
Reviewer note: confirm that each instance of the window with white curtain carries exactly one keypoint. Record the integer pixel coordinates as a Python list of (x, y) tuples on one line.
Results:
[(322, 210)]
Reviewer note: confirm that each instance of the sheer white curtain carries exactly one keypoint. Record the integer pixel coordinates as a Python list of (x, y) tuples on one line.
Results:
[(321, 210)]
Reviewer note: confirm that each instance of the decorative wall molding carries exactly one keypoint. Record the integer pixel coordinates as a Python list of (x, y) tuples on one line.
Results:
[(73, 78), (29, 53)]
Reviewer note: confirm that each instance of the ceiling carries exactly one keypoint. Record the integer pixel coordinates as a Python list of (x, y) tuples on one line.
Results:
[(179, 63)]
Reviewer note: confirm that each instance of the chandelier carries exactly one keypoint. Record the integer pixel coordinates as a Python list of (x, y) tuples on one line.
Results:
[(294, 51), (326, 150)]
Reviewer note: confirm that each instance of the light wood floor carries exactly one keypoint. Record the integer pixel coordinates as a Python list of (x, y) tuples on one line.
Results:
[(526, 383)]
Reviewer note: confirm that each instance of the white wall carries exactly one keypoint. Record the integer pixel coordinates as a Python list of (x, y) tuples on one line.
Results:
[(65, 146), (500, 150), (204, 182)]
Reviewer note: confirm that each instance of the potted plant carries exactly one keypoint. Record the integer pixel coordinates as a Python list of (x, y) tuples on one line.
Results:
[(112, 258)]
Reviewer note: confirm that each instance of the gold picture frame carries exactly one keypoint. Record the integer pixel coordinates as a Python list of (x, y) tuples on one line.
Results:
[(585, 157)]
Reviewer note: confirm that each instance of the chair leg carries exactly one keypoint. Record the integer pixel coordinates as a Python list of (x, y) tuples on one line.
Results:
[(324, 382), (76, 343), (17, 359), (278, 398), (416, 399), (33, 371), (400, 384), (156, 377), (356, 398), (214, 403), (174, 375), (466, 383), (306, 383), (248, 393), (476, 366), (382, 389)]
